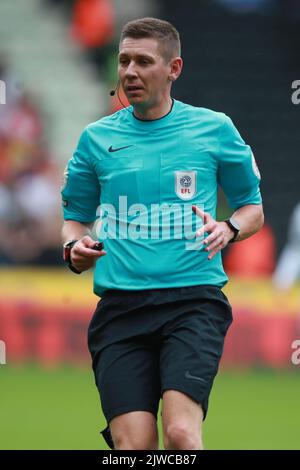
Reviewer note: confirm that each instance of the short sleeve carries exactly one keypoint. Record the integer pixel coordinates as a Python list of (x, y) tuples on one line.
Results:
[(81, 189), (238, 174)]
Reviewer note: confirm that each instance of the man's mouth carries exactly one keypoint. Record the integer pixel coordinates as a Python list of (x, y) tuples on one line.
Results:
[(133, 88)]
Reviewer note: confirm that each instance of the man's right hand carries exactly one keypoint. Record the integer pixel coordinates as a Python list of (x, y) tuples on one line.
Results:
[(83, 257)]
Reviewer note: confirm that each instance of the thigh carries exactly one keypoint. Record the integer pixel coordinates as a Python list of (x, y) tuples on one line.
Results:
[(127, 377), (192, 347), (177, 407)]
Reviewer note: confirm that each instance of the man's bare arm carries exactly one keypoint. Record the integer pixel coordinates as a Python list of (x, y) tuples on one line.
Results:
[(83, 257), (73, 230), (250, 219)]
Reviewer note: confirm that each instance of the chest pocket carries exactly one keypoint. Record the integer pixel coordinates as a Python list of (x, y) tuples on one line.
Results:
[(119, 175), (187, 176)]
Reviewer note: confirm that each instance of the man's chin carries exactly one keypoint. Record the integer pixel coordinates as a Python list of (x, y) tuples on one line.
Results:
[(135, 99)]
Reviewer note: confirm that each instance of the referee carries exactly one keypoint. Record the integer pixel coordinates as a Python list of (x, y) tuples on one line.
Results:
[(158, 330)]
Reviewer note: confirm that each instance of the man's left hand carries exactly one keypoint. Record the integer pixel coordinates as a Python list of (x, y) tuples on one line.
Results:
[(219, 232)]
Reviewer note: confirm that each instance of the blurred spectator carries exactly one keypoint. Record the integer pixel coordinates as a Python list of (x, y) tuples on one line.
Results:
[(93, 26), (288, 267), (254, 257), (29, 205)]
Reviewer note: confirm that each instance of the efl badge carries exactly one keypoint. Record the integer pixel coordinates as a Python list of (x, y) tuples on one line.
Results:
[(185, 184)]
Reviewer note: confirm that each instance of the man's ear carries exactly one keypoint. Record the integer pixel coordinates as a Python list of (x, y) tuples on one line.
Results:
[(176, 65)]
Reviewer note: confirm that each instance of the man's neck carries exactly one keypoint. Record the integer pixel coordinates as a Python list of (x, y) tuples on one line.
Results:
[(149, 114)]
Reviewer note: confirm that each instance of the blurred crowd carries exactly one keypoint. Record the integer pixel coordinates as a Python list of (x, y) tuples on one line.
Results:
[(30, 176), (29, 180), (92, 25)]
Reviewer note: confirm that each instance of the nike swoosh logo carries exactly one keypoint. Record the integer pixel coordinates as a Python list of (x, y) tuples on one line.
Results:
[(111, 149), (190, 376)]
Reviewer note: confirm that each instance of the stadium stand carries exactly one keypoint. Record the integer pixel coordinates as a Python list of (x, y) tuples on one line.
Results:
[(244, 65)]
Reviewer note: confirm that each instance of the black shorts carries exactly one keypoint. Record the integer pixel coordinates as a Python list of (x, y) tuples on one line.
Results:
[(145, 342)]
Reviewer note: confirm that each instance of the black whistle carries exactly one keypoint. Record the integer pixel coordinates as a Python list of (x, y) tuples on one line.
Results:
[(98, 246)]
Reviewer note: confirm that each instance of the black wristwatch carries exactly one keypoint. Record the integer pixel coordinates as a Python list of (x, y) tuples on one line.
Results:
[(234, 226), (67, 247)]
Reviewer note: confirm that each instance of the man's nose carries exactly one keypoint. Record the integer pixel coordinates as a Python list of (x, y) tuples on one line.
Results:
[(131, 70)]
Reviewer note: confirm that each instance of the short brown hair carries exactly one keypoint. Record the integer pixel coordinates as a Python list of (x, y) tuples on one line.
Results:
[(163, 31)]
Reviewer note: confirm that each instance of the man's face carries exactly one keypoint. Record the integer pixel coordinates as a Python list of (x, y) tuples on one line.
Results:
[(143, 71)]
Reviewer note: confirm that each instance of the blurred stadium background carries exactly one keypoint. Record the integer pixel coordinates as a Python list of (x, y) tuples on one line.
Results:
[(58, 63)]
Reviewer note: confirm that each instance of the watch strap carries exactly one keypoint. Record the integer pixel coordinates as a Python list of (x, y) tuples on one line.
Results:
[(67, 255), (234, 230)]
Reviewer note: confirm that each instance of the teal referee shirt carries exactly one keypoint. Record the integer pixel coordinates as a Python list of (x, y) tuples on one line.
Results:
[(139, 179)]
